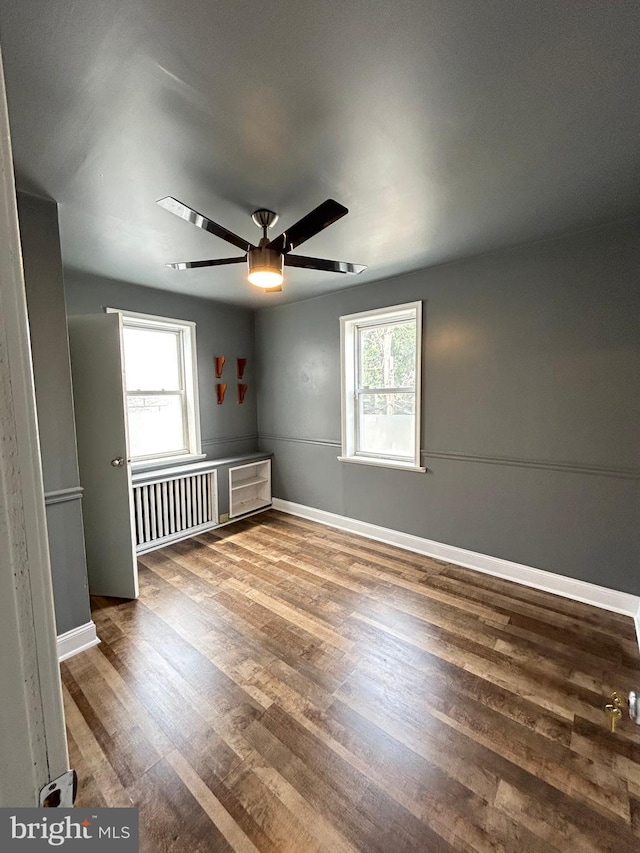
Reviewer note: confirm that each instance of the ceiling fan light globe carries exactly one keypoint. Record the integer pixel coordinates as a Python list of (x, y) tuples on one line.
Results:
[(265, 278)]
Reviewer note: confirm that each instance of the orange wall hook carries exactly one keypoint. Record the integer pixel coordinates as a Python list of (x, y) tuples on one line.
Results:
[(219, 361), (242, 363), (221, 388), (242, 390)]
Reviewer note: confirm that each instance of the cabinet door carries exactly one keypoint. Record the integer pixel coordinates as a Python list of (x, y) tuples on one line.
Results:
[(105, 472)]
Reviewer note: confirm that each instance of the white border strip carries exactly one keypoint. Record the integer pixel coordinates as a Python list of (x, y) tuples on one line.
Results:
[(77, 640), (74, 493), (577, 590)]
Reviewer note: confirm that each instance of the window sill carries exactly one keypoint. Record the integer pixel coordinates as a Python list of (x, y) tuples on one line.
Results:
[(383, 463), (150, 464)]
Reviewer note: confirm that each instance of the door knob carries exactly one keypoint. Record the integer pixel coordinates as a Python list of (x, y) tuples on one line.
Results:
[(619, 703), (614, 714), (118, 462)]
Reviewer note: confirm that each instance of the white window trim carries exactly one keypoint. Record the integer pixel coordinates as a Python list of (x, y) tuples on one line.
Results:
[(190, 365), (349, 324)]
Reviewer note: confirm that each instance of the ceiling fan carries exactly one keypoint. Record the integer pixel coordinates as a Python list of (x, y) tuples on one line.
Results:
[(266, 260)]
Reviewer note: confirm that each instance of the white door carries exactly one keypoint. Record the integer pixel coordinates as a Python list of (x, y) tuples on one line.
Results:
[(105, 471)]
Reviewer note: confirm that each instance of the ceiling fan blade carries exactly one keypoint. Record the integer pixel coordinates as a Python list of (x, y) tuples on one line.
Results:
[(322, 217), (323, 264), (216, 262), (179, 209)]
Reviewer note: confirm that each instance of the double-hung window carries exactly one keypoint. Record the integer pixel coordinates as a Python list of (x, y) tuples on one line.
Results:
[(381, 356), (161, 390)]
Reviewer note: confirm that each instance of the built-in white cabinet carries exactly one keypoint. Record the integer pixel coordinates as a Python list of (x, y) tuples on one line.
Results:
[(249, 488)]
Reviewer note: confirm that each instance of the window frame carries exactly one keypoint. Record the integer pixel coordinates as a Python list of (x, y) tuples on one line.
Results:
[(188, 374), (350, 327)]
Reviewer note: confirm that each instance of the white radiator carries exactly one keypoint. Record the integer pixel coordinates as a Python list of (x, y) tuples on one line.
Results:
[(172, 508)]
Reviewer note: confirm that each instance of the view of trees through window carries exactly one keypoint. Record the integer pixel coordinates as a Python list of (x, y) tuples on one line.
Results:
[(386, 388), (388, 360)]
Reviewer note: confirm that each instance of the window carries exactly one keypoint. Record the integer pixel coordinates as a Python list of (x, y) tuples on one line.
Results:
[(380, 353), (161, 388)]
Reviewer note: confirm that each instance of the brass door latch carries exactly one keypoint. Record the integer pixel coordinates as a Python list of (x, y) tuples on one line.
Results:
[(618, 704)]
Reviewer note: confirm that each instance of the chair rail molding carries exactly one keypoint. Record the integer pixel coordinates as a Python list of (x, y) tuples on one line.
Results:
[(513, 461), (59, 496)]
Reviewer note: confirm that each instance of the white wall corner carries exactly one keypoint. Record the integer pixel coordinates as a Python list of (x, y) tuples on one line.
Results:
[(577, 590), (77, 640)]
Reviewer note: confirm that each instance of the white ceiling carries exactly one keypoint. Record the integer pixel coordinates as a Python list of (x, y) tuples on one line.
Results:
[(448, 128)]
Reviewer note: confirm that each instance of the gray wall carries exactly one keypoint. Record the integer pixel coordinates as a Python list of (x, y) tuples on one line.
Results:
[(530, 406), (50, 351), (221, 329)]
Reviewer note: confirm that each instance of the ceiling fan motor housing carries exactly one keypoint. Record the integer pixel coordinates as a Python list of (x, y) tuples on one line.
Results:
[(265, 260)]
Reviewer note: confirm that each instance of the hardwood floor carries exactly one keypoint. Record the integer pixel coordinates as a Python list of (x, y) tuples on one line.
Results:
[(281, 686)]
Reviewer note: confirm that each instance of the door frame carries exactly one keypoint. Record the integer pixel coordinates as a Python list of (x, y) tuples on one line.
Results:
[(35, 751)]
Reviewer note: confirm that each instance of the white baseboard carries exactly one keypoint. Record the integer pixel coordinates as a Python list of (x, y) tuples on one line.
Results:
[(577, 590), (77, 640)]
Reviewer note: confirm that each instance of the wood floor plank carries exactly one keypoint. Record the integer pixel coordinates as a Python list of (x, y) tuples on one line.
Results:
[(547, 759), (100, 773), (336, 795), (485, 663), (171, 818), (212, 806), (550, 603), (589, 624), (282, 687)]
